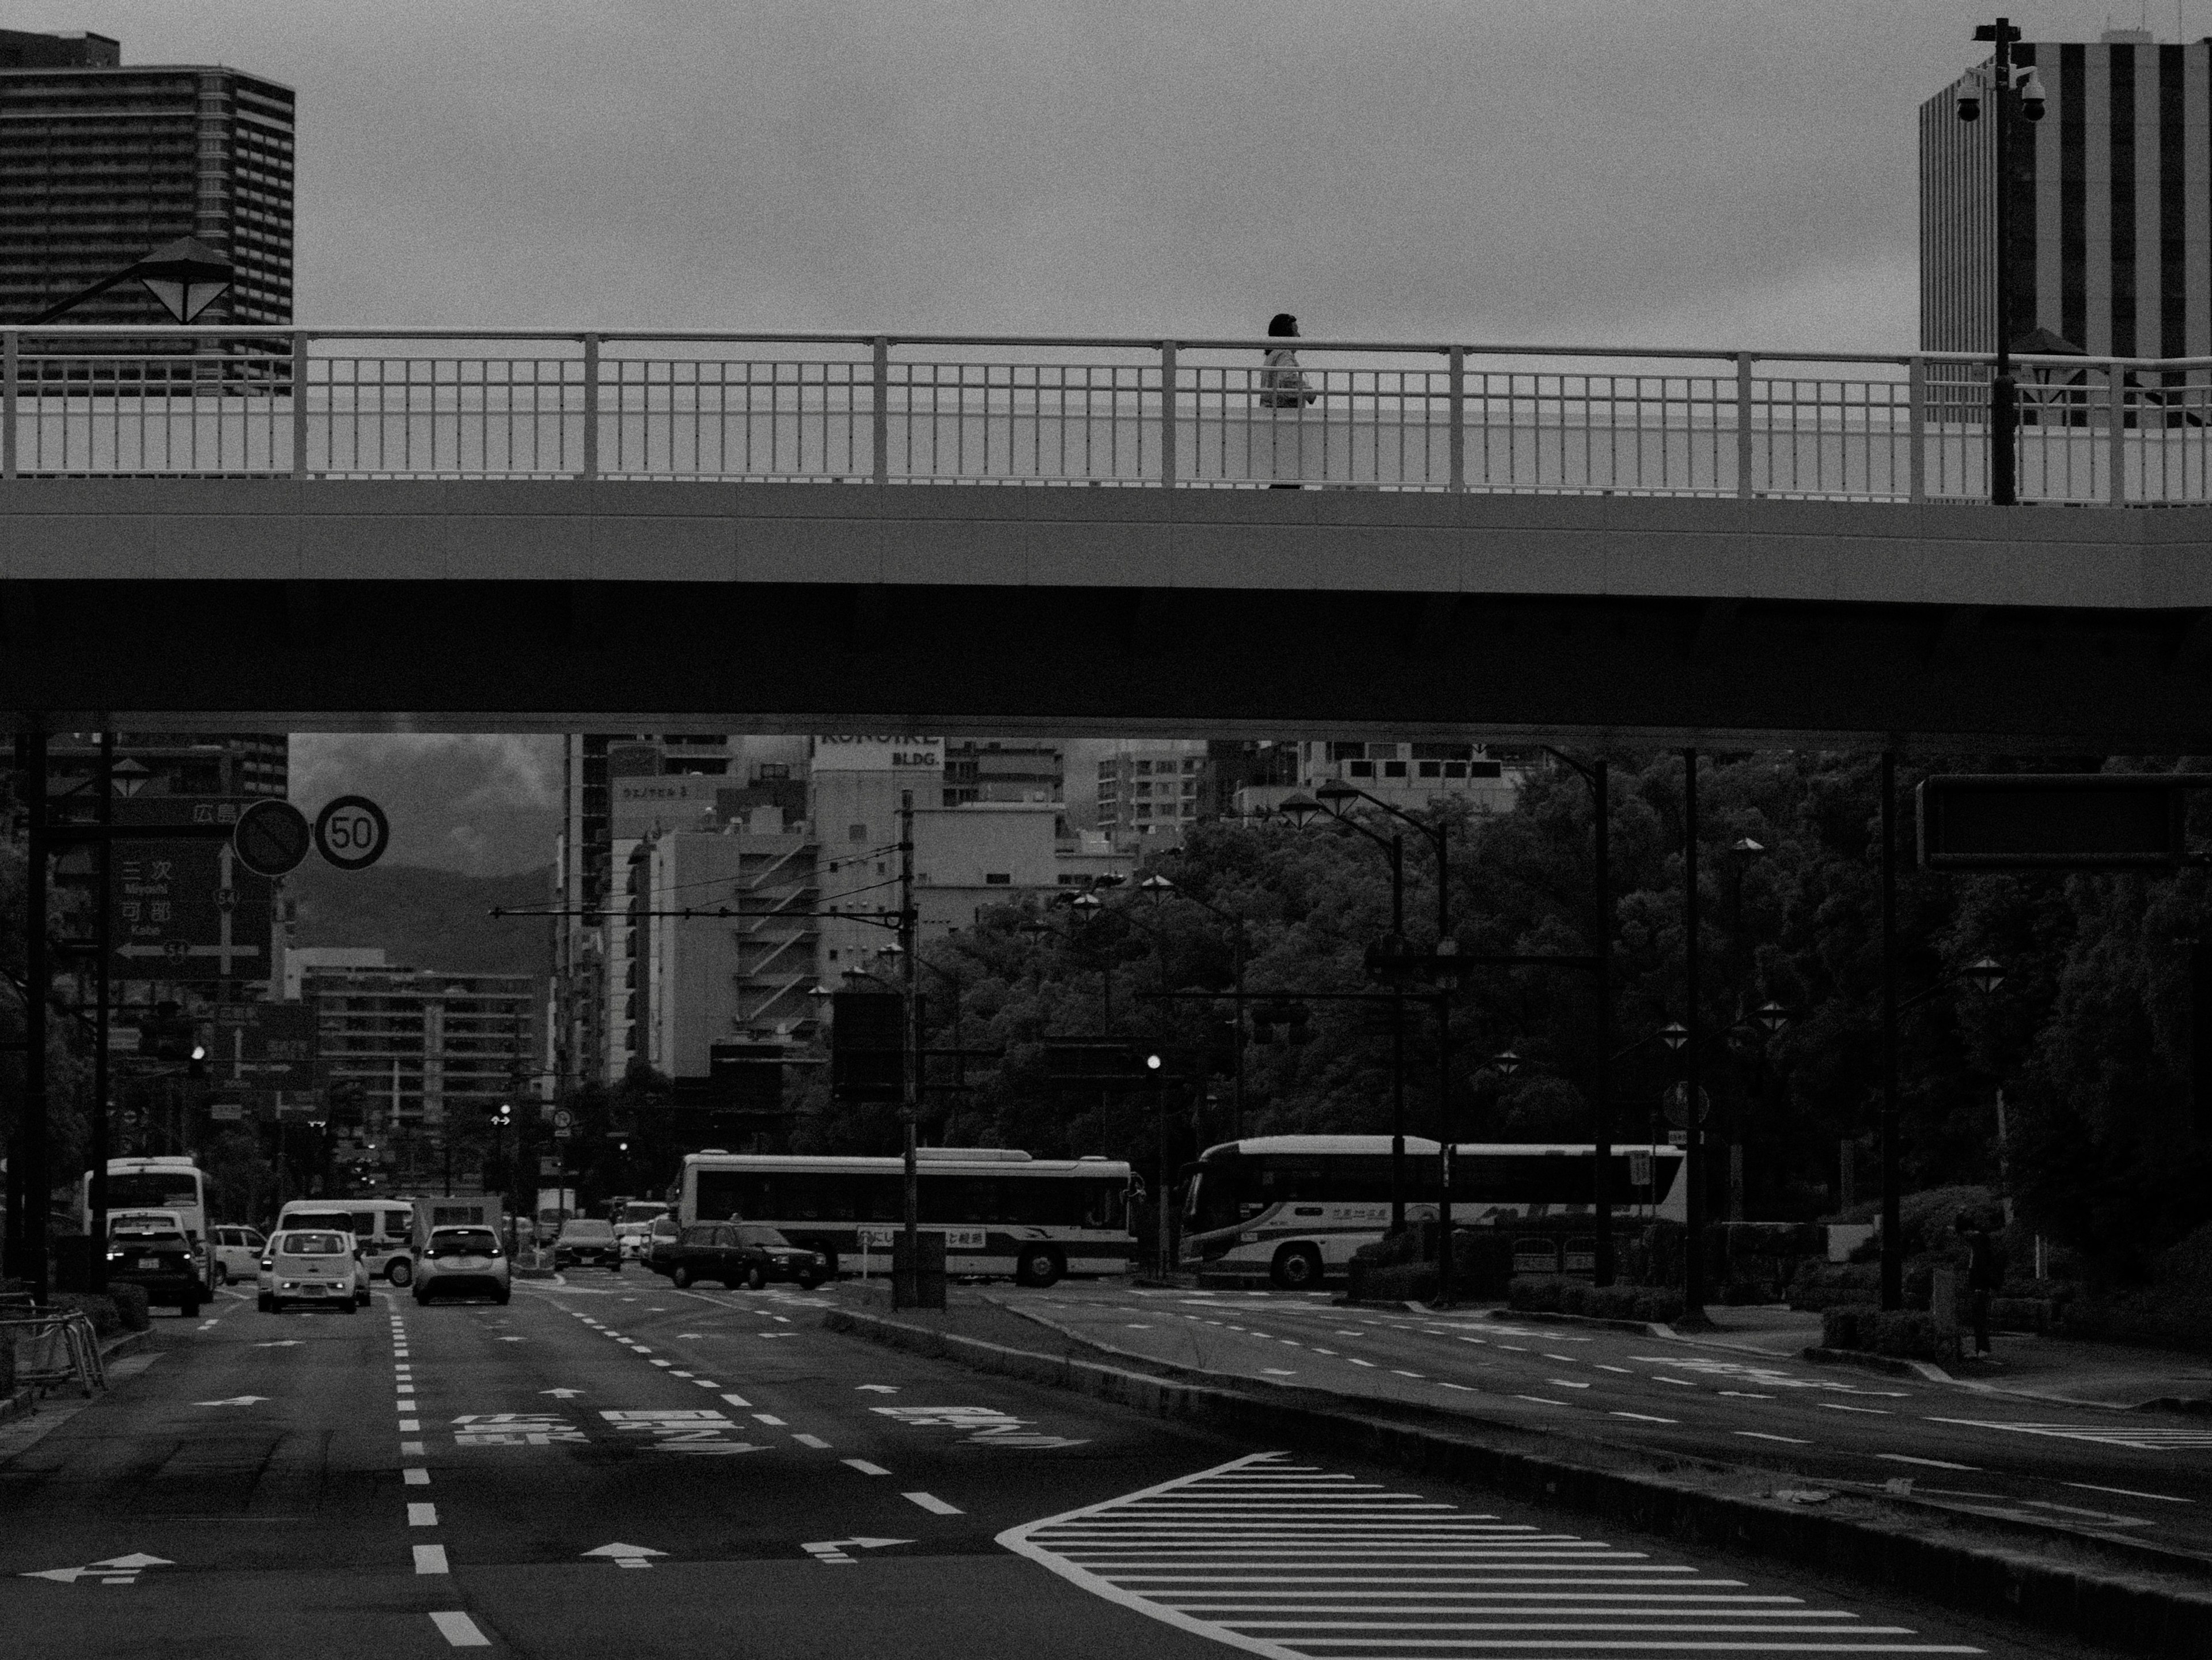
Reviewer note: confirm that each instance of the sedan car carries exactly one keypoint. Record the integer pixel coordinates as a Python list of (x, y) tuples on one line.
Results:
[(463, 1262), (739, 1254), (160, 1260), (312, 1266), (584, 1240)]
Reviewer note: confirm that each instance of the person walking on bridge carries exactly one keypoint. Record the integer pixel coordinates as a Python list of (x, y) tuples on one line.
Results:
[(1283, 386)]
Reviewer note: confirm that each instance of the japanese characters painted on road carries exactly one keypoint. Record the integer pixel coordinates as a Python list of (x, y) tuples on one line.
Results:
[(986, 1426), (272, 838), (187, 910), (830, 1551), (708, 1433), (352, 832), (626, 1556), (514, 1429)]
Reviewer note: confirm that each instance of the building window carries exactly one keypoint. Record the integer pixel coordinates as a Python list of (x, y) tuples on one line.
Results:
[(1143, 810), (1485, 770), (1144, 789), (1107, 769), (1189, 809), (1144, 768), (998, 878), (833, 958), (1361, 768), (1349, 752), (1190, 764), (1433, 768), (856, 832), (1454, 769), (1190, 787), (1393, 768)]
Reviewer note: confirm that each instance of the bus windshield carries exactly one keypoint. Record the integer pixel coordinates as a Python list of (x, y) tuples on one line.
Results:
[(153, 1190)]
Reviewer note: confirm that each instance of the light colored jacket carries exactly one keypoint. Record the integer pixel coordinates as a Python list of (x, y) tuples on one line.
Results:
[(1281, 386)]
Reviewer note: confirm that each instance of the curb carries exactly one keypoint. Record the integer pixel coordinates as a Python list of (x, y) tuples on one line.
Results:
[(1894, 1367), (19, 1404), (129, 1343), (1917, 1556), (1636, 1327)]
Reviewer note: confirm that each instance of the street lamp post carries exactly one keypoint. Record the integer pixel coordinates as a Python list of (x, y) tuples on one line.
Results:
[(1302, 810), (1159, 889), (1597, 776), (2011, 102)]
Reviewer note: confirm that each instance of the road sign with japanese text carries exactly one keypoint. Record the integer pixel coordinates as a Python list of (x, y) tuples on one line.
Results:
[(187, 910), (271, 1046)]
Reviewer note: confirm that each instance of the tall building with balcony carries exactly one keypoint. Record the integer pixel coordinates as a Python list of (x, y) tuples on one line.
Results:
[(414, 1058), (2111, 235), (1146, 791), (101, 162)]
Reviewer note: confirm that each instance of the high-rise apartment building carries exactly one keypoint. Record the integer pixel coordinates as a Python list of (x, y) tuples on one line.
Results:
[(2111, 204), (100, 162)]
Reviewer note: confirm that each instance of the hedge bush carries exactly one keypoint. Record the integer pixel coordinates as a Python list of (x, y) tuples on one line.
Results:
[(1558, 1294), (1840, 1325), (1906, 1334), (131, 1303), (106, 1318), (1403, 1282)]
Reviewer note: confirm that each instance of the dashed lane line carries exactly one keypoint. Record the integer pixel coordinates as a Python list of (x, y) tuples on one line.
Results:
[(932, 1503), (431, 1559), (864, 1467), (460, 1631)]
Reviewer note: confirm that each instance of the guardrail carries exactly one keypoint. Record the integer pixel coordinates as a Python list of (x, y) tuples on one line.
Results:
[(353, 403)]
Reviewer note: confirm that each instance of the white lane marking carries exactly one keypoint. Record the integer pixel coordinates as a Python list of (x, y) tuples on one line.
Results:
[(1761, 1435), (1931, 1463), (932, 1503), (410, 1426), (811, 1441), (705, 1383), (769, 1419), (460, 1631), (1645, 1417), (1541, 1399), (737, 1400), (1837, 1406), (664, 1363), (410, 1449), (1601, 1366), (864, 1467), (431, 1559), (1395, 1372), (1467, 1389), (2129, 1492), (877, 1388), (421, 1515), (1277, 1371), (1356, 1361), (1567, 1383), (2135, 1439), (416, 1477), (1680, 1382)]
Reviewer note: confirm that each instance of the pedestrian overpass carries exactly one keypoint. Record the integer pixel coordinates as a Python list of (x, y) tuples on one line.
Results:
[(285, 529)]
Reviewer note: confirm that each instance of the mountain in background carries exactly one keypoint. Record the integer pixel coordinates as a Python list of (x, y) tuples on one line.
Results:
[(425, 918)]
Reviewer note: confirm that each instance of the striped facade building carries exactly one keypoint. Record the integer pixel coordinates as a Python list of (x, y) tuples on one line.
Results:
[(2112, 205)]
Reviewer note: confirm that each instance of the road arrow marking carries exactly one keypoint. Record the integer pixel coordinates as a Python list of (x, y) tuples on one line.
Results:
[(626, 1556), (115, 1570), (561, 1394), (830, 1551), (878, 1389), (235, 1401)]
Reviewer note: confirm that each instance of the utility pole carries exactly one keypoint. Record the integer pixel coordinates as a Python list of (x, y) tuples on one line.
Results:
[(1893, 1225), (909, 937), (37, 1187), (1601, 1093), (1693, 1243), (96, 1220)]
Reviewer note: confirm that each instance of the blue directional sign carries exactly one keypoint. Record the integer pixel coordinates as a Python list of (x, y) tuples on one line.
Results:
[(187, 910)]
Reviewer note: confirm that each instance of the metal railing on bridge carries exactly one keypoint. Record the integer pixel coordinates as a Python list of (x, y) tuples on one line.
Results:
[(445, 404)]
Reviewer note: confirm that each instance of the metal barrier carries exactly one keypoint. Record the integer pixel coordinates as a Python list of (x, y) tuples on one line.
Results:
[(53, 1347), (855, 409)]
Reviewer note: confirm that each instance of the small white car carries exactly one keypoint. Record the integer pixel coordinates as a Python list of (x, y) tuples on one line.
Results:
[(238, 1254), (312, 1266), (463, 1262)]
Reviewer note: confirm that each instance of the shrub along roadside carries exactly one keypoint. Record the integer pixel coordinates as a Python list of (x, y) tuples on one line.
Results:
[(131, 1303), (1558, 1293), (1907, 1334)]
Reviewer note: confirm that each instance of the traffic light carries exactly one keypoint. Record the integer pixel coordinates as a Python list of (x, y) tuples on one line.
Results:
[(867, 1046), (503, 1115), (1224, 1037)]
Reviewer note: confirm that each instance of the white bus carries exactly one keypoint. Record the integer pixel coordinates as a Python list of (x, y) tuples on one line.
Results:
[(1293, 1208), (1000, 1211), (171, 1184)]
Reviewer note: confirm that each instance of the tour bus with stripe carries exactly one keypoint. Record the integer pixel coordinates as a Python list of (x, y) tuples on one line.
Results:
[(1293, 1208), (1002, 1212)]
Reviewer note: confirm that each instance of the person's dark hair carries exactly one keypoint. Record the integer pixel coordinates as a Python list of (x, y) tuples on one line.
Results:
[(1283, 323)]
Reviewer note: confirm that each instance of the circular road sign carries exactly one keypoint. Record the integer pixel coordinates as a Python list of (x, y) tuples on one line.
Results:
[(563, 1117), (352, 832), (271, 838)]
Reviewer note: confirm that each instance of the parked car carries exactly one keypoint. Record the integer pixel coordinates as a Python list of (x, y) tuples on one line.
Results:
[(463, 1262), (741, 1254), (587, 1240), (160, 1260), (237, 1253), (317, 1266)]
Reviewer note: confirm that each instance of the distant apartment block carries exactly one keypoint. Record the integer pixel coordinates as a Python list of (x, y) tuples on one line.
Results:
[(100, 162)]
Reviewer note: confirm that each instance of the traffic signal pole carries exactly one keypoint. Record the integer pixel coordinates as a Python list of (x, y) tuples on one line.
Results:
[(36, 1186), (95, 1221), (910, 1104)]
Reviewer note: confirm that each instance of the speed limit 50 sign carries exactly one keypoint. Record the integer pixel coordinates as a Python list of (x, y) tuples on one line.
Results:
[(352, 832)]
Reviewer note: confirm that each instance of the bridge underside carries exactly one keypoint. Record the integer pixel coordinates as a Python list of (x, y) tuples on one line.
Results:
[(651, 656), (258, 604)]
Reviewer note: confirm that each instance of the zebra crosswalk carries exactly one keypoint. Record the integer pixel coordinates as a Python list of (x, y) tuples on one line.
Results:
[(1295, 1561), (2140, 1438)]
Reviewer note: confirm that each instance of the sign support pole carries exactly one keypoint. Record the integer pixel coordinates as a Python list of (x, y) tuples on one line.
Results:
[(37, 1187), (910, 1106), (1693, 1242), (96, 1220)]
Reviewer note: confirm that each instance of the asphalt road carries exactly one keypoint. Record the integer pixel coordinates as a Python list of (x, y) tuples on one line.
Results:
[(606, 1468), (2134, 1474)]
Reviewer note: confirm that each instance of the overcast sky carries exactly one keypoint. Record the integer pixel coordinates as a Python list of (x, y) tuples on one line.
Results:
[(1687, 171), (1721, 173)]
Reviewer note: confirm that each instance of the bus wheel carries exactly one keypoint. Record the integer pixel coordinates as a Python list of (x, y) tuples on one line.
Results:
[(1297, 1268), (1037, 1265)]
